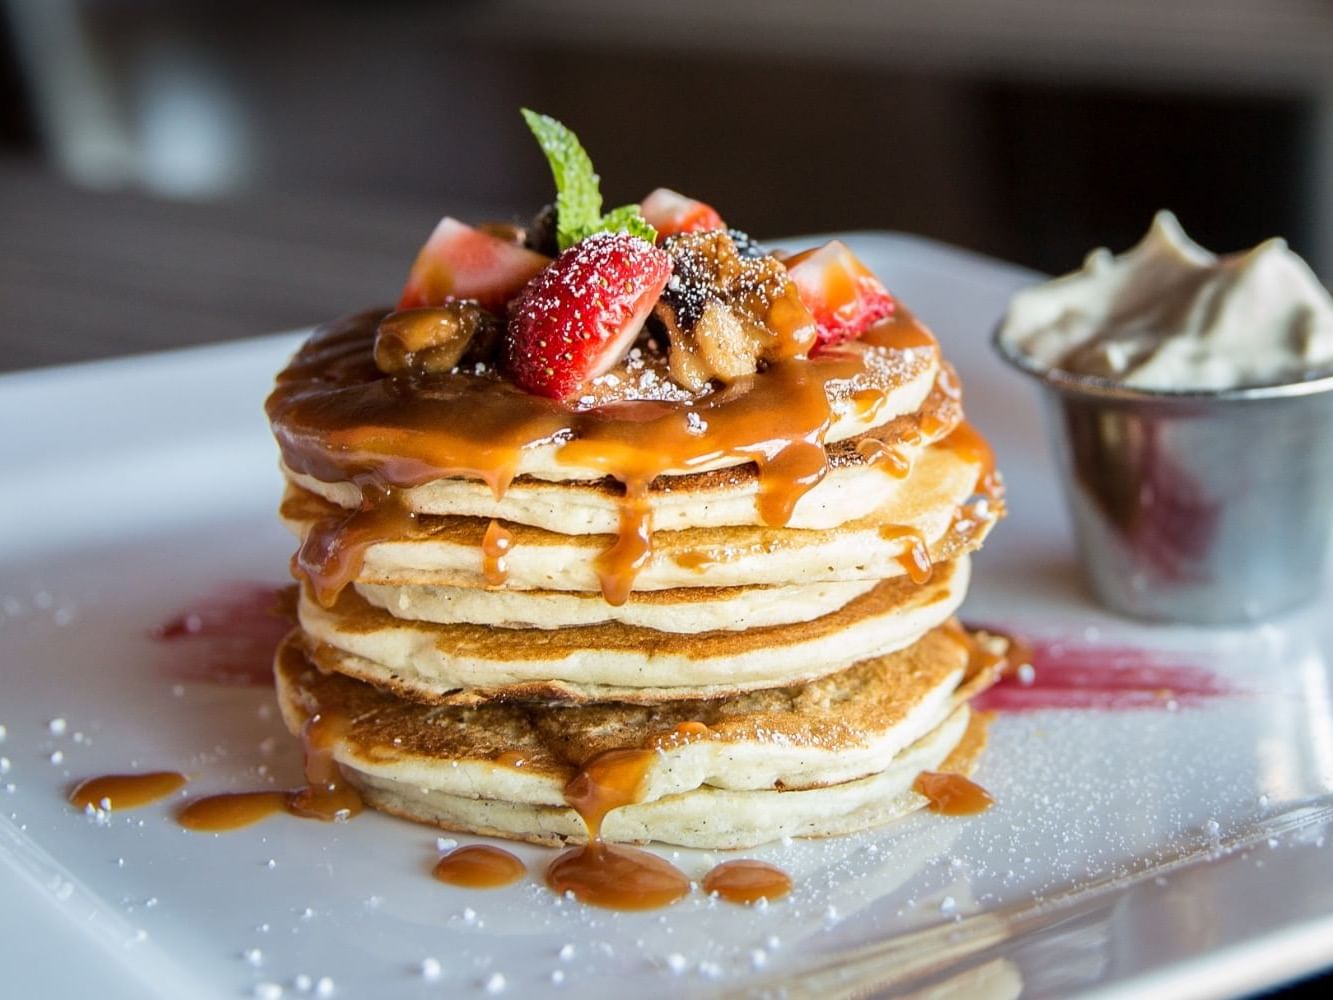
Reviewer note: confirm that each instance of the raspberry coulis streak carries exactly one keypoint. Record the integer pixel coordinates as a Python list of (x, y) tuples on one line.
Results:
[(228, 635), (1079, 675)]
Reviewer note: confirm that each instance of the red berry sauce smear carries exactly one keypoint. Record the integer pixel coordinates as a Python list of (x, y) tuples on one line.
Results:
[(229, 636), (1075, 674)]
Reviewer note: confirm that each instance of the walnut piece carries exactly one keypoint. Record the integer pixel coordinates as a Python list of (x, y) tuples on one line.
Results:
[(432, 340), (726, 313)]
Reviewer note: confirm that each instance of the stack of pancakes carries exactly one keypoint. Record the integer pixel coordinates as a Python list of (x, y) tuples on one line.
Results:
[(765, 600)]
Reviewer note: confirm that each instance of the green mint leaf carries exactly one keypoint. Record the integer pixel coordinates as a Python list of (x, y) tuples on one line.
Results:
[(626, 219), (578, 201)]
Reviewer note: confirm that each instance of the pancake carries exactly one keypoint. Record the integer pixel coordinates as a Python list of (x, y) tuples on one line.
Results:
[(331, 400), (686, 609), (856, 483), (708, 818), (611, 661), (827, 757), (447, 551)]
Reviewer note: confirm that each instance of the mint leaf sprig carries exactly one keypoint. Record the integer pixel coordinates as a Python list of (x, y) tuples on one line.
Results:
[(578, 199)]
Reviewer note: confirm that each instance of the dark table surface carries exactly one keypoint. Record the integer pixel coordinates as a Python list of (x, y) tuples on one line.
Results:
[(88, 274)]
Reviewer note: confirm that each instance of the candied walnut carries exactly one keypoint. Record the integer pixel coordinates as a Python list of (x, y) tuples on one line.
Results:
[(422, 341), (725, 311)]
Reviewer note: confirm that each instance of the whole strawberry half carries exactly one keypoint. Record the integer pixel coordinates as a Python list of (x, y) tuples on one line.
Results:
[(672, 213), (575, 319), (841, 293), (459, 262)]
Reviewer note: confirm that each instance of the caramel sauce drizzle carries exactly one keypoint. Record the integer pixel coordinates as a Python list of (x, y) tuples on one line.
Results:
[(932, 426), (334, 550), (966, 442), (230, 810), (338, 419), (901, 332), (495, 546), (747, 881), (695, 559), (952, 794), (885, 456), (125, 791), (931, 429), (868, 403), (915, 557), (980, 659), (479, 866), (600, 874), (616, 877), (613, 876), (511, 758), (608, 781), (326, 796), (689, 729), (619, 566)]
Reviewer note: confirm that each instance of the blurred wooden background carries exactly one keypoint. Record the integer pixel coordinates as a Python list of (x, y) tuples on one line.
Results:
[(174, 172)]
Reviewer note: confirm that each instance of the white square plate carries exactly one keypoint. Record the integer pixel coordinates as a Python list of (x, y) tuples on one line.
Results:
[(1150, 851)]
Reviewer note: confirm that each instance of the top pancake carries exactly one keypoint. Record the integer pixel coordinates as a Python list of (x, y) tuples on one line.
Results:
[(336, 416), (862, 474)]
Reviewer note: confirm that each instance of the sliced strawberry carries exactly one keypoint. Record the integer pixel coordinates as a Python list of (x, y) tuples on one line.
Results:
[(840, 292), (459, 262), (671, 213), (574, 320)]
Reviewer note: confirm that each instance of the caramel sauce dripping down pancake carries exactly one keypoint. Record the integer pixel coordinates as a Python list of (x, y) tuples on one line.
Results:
[(462, 663), (326, 796), (495, 546), (443, 551), (851, 745), (611, 875), (338, 419)]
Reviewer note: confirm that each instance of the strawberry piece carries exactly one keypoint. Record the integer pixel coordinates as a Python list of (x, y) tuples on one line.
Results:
[(671, 213), (459, 262), (578, 317), (841, 293)]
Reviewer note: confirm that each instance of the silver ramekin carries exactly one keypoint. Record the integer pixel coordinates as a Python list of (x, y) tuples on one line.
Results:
[(1199, 507)]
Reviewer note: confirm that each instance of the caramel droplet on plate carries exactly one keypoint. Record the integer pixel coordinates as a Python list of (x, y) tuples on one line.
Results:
[(230, 811), (952, 794), (125, 791), (616, 877), (479, 866), (747, 881)]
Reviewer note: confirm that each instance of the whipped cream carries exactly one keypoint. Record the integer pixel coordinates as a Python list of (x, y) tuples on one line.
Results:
[(1169, 314)]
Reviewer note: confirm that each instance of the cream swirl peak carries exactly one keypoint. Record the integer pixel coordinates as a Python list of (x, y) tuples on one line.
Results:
[(1170, 315)]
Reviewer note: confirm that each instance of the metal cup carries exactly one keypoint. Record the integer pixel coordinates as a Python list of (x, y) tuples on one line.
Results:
[(1200, 507)]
